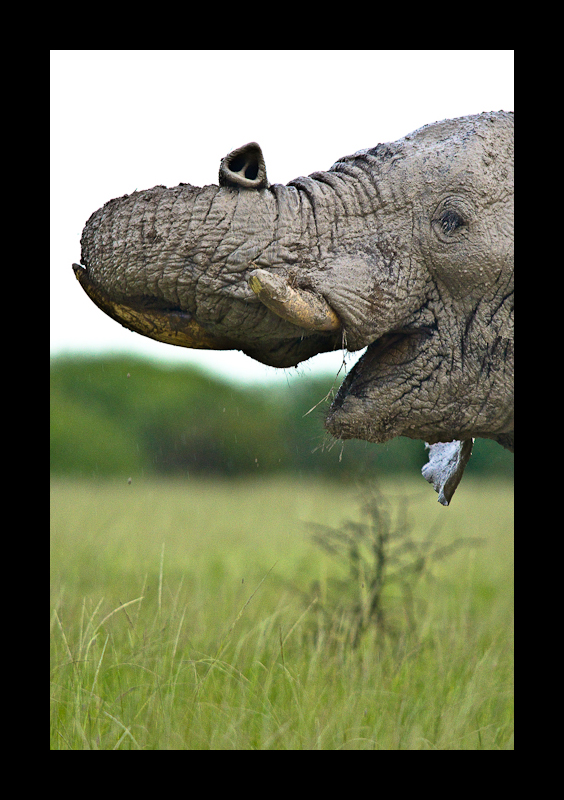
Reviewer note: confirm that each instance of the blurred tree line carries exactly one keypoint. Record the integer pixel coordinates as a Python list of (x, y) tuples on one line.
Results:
[(127, 416)]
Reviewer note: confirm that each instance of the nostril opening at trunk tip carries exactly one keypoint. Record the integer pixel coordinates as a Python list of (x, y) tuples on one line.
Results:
[(247, 167), (244, 167)]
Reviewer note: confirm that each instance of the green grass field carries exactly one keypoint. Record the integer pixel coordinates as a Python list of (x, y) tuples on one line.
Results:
[(201, 616)]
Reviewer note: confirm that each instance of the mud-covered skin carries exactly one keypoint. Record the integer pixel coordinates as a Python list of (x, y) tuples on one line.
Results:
[(406, 248)]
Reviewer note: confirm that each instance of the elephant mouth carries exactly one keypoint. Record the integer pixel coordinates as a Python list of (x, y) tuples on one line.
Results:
[(385, 370), (390, 352), (151, 318), (389, 344)]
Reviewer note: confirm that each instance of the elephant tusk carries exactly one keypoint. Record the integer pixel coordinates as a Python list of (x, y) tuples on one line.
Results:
[(171, 327), (300, 307)]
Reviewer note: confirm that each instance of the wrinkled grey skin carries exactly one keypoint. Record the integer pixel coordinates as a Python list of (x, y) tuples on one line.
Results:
[(406, 247)]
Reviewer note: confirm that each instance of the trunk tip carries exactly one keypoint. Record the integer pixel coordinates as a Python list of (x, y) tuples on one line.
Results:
[(244, 168)]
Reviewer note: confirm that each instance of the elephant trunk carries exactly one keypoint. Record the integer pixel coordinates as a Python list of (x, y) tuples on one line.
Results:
[(186, 266)]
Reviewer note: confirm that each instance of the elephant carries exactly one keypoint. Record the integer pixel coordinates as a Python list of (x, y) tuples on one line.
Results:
[(405, 249)]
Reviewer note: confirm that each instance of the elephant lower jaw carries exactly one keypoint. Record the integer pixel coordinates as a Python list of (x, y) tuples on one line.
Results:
[(374, 404), (172, 326), (378, 399)]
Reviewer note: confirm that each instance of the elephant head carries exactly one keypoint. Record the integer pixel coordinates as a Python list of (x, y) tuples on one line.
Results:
[(405, 248)]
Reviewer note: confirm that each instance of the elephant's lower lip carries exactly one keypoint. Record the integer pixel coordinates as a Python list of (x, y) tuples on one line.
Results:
[(384, 369), (172, 326), (382, 362)]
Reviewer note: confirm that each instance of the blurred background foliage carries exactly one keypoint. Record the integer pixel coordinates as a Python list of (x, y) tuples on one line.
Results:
[(128, 416)]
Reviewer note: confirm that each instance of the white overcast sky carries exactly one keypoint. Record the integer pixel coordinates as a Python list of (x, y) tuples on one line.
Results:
[(123, 120)]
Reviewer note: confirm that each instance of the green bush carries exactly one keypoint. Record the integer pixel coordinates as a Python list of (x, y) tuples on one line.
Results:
[(124, 415)]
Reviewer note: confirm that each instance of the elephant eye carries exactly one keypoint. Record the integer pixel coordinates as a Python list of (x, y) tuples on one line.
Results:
[(450, 220)]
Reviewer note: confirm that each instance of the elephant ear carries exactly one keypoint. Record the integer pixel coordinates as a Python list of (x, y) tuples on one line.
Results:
[(447, 461), (244, 167)]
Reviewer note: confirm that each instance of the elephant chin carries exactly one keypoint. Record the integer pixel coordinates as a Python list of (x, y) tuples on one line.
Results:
[(171, 326)]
